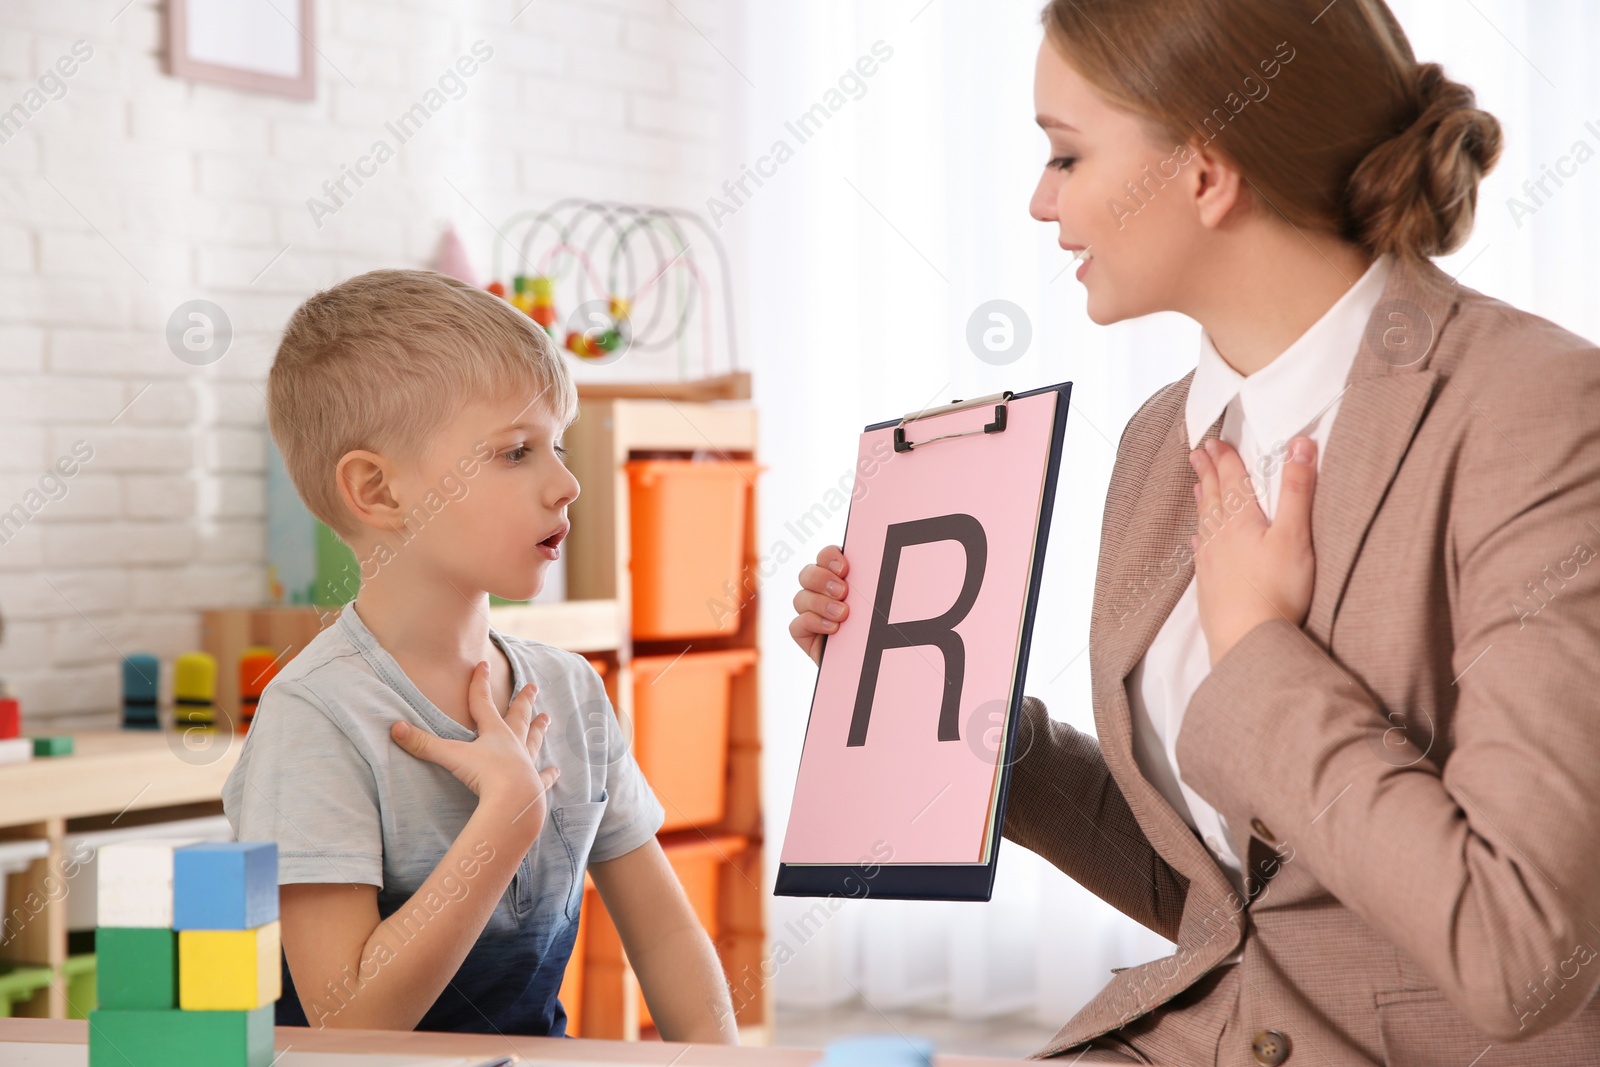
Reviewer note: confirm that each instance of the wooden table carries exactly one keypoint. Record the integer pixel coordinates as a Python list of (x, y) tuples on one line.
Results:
[(655, 1053)]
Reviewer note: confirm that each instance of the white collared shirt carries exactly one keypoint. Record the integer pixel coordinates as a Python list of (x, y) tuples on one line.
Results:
[(1297, 393)]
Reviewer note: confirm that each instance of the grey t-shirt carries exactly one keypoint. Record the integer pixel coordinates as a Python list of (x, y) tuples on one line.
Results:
[(320, 775)]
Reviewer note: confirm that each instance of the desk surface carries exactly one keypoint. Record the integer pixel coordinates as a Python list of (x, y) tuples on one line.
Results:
[(654, 1053)]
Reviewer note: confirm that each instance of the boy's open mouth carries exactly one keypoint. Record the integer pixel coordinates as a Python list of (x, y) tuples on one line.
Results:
[(558, 535)]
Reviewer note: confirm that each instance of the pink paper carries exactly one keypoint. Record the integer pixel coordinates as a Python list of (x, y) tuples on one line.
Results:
[(929, 800)]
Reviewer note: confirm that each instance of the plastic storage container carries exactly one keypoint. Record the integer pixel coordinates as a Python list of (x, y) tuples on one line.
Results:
[(687, 525), (608, 677), (680, 730)]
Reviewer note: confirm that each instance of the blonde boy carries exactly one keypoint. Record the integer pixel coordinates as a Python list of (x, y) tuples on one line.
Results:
[(436, 789)]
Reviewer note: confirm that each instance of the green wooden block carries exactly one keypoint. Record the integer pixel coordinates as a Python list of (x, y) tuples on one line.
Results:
[(180, 1038), (136, 967), (52, 746)]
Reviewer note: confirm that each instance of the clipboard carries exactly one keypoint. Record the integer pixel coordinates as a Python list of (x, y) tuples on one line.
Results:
[(919, 692)]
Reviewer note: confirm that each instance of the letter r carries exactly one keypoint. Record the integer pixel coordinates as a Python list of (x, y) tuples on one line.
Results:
[(938, 631)]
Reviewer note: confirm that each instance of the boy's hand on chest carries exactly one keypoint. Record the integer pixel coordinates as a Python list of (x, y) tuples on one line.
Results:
[(500, 764)]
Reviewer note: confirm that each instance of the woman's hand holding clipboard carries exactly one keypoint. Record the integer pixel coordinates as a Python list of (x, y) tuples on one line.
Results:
[(819, 605)]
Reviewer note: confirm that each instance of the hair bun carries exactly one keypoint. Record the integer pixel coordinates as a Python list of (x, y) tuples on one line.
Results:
[(1415, 194)]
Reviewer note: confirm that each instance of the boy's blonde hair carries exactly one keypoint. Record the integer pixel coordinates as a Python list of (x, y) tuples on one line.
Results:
[(382, 361)]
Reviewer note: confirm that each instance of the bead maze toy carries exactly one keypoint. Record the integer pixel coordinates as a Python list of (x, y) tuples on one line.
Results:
[(652, 290), (187, 951)]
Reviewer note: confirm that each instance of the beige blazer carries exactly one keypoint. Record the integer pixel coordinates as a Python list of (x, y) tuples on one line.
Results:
[(1412, 777)]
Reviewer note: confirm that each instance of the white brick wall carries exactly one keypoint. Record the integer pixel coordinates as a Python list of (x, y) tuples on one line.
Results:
[(135, 192)]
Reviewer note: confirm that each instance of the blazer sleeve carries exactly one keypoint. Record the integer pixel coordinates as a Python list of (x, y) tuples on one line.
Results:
[(1064, 805), (1481, 862)]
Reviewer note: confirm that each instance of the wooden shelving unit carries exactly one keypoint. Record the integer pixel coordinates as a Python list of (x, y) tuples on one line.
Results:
[(610, 430), (112, 779)]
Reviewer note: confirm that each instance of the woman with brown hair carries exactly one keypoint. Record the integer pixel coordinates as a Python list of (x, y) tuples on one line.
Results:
[(1343, 636)]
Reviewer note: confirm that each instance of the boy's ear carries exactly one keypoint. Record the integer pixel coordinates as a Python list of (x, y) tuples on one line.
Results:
[(366, 483)]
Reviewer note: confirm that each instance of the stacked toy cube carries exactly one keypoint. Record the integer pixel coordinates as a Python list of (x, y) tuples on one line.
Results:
[(187, 955)]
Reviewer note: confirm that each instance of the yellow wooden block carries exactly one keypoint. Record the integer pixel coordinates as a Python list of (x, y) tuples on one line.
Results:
[(229, 970)]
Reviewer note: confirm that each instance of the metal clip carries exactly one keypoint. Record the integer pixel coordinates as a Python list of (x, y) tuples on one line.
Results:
[(999, 400)]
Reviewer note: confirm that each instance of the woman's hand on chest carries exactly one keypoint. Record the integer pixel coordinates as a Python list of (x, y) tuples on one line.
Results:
[(1249, 570)]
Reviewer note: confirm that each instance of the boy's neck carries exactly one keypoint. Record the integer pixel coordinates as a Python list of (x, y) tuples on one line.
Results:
[(427, 622)]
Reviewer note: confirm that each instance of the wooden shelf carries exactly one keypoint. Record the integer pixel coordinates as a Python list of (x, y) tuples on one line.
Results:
[(113, 771), (609, 431), (575, 625), (734, 386)]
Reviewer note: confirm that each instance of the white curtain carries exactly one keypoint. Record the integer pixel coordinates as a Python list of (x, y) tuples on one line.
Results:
[(870, 242)]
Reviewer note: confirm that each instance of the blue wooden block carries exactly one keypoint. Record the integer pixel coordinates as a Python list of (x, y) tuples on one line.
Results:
[(224, 885)]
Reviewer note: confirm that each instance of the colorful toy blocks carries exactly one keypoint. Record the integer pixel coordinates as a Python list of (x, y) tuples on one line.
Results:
[(225, 885), (16, 750), (135, 883), (140, 1038), (189, 975), (229, 970), (136, 967), (10, 718)]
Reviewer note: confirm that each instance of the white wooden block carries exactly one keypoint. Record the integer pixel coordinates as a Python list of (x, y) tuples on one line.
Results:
[(136, 882), (16, 750)]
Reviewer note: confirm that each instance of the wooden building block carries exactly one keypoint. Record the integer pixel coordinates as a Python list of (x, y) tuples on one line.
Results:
[(194, 690), (59, 745), (136, 967), (228, 970), (257, 667), (15, 750), (141, 691), (225, 885), (10, 718), (180, 1038), (135, 882)]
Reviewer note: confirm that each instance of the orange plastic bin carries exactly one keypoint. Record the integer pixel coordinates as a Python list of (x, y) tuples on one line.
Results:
[(688, 528), (681, 706), (698, 863)]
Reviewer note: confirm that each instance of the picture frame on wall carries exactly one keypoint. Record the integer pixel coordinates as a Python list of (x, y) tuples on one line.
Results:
[(260, 45)]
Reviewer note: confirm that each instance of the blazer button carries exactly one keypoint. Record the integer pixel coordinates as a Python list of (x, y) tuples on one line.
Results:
[(1271, 1047), (1261, 831)]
